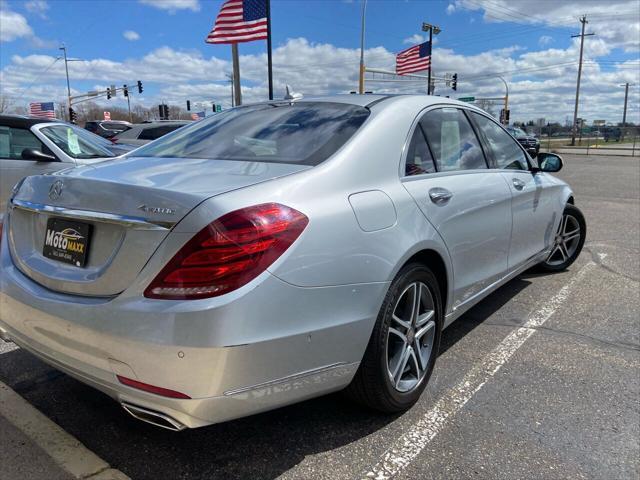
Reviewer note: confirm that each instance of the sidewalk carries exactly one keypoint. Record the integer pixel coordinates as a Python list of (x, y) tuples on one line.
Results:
[(33, 447)]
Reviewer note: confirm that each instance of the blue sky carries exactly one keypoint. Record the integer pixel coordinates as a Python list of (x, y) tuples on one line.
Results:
[(479, 39)]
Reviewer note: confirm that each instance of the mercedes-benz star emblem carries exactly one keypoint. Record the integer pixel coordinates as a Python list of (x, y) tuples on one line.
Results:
[(55, 190)]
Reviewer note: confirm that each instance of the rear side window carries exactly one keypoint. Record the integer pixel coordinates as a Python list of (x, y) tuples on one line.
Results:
[(419, 158), (504, 150), (452, 140), (157, 132), (302, 133), (14, 140), (118, 127)]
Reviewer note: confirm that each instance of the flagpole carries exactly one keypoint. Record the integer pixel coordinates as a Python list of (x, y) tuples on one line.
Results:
[(269, 64), (236, 75)]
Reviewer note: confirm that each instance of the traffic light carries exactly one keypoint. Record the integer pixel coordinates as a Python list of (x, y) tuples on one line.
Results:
[(454, 82), (125, 90), (108, 93), (140, 90), (73, 116), (504, 116), (213, 107), (163, 110), (188, 105)]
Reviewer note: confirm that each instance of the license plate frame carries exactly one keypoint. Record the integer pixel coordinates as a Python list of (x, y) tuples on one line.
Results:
[(67, 241)]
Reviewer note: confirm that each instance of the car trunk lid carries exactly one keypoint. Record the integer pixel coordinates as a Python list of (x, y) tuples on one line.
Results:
[(127, 206)]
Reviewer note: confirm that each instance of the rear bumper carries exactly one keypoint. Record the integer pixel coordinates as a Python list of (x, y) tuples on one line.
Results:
[(270, 345)]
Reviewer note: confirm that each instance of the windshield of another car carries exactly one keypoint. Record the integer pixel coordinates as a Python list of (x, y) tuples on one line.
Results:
[(516, 132), (303, 133), (76, 142)]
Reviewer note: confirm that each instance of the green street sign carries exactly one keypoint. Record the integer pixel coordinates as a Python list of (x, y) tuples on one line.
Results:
[(467, 99), (218, 107)]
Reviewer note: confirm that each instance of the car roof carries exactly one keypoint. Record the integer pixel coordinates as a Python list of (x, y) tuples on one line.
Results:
[(164, 123), (371, 99), (23, 121), (124, 122)]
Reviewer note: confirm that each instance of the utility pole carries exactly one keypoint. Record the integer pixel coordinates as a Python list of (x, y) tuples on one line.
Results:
[(583, 21), (624, 114), (432, 29), (361, 77), (66, 67)]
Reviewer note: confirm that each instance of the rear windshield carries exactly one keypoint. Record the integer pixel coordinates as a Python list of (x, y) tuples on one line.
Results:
[(304, 133)]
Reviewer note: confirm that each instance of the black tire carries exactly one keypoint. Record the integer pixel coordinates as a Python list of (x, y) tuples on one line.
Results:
[(372, 386), (574, 212)]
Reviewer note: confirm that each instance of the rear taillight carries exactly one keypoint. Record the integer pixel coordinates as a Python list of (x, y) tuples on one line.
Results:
[(229, 252)]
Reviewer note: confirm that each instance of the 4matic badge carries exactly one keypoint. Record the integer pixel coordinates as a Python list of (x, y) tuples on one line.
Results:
[(165, 210)]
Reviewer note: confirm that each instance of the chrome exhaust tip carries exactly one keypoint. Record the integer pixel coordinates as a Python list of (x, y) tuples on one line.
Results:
[(4, 335), (154, 418)]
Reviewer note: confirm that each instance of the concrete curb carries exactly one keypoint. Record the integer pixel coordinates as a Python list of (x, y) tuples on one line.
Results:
[(66, 451)]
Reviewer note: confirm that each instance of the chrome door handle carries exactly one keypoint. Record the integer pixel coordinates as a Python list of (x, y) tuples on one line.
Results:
[(440, 196), (518, 184)]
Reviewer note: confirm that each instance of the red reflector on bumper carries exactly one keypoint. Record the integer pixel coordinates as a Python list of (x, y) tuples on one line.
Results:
[(165, 392)]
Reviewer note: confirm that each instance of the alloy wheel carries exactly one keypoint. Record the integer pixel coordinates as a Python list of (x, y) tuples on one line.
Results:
[(566, 241), (411, 337)]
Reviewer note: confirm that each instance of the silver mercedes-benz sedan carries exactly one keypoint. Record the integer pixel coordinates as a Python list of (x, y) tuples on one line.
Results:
[(276, 252)]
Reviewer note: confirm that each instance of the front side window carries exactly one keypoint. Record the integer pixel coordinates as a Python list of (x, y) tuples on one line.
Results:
[(14, 140), (452, 140), (504, 149), (75, 142), (304, 133), (419, 158)]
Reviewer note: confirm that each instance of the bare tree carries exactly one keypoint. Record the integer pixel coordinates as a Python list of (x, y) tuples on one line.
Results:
[(5, 104)]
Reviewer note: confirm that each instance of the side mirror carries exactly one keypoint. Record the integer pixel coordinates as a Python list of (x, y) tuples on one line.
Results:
[(549, 162), (37, 155)]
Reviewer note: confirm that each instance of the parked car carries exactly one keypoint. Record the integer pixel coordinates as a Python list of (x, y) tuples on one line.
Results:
[(30, 146), (107, 128), (612, 133), (143, 133), (530, 143), (279, 251)]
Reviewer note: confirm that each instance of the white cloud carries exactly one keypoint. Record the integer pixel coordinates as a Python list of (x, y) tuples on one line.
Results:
[(541, 83), (131, 35), (616, 21), (414, 39), (13, 25), (173, 6), (37, 7), (451, 8), (545, 40)]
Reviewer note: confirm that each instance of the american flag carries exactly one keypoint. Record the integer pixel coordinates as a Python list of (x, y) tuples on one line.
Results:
[(240, 21), (42, 109), (197, 116), (414, 59)]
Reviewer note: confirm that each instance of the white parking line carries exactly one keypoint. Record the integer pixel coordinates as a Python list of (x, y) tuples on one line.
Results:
[(6, 347), (407, 447), (64, 449)]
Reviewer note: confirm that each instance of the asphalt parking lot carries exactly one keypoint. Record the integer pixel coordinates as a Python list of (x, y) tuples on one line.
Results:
[(540, 380)]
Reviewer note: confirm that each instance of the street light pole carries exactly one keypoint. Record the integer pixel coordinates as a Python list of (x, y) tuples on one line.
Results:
[(361, 77), (506, 100), (432, 29)]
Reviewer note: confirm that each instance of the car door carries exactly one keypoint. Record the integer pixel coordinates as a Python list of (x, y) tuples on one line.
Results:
[(534, 211), (467, 203), (13, 168)]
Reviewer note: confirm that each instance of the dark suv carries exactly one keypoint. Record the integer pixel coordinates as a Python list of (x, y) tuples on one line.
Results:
[(530, 143), (107, 128)]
